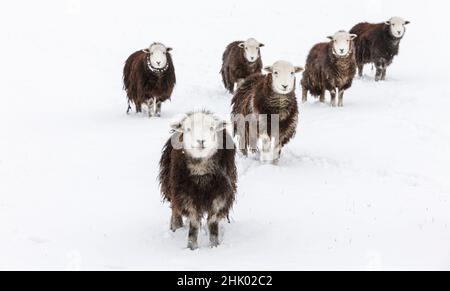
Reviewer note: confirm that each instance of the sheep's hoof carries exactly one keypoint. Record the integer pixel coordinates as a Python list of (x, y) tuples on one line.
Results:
[(214, 241), (192, 245)]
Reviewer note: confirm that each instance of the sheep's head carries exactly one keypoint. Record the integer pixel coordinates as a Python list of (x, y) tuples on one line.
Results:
[(200, 133), (251, 49), (158, 55), (342, 43), (397, 26), (283, 76)]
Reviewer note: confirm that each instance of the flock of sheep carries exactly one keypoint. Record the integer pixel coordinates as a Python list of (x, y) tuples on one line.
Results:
[(197, 168)]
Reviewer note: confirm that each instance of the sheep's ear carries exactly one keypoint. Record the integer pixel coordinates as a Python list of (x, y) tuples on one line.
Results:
[(176, 126), (330, 37), (147, 51), (268, 69), (169, 49), (241, 45), (407, 22), (387, 22), (221, 125), (353, 36), (261, 45), (298, 69)]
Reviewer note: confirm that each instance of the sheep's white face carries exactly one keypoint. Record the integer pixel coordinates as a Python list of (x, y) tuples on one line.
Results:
[(342, 43), (283, 76), (200, 138), (251, 49), (397, 26), (158, 55)]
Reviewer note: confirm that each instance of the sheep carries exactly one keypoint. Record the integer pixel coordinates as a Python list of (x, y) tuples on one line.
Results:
[(198, 173), (240, 60), (330, 66), (262, 100), (378, 44), (149, 78)]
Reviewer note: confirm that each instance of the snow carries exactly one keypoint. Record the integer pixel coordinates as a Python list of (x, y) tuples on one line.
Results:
[(360, 187)]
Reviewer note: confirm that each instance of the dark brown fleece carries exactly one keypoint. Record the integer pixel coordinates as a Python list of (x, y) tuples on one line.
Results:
[(142, 84), (235, 66)]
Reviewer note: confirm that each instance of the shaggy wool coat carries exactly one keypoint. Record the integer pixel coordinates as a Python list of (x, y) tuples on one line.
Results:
[(142, 84), (256, 96), (235, 66), (374, 43), (326, 71), (194, 193)]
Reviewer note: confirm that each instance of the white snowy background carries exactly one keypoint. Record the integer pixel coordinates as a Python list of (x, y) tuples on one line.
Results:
[(360, 187)]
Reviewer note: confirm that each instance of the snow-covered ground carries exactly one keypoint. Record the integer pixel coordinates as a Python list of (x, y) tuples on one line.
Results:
[(360, 187)]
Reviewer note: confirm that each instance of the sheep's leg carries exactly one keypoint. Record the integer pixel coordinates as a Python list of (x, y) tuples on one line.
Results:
[(378, 75), (304, 95), (333, 98), (158, 109), (341, 98), (176, 221), (138, 106), (322, 96), (129, 107), (150, 106), (241, 144), (360, 70), (194, 226), (268, 149), (383, 74), (213, 227), (381, 66)]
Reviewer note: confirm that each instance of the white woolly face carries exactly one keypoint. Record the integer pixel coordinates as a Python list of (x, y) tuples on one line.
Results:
[(251, 49), (342, 43), (158, 55), (200, 138), (397, 26), (283, 76)]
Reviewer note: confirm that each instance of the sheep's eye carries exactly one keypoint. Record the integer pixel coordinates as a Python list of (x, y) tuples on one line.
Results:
[(292, 73), (276, 73), (188, 129), (211, 128)]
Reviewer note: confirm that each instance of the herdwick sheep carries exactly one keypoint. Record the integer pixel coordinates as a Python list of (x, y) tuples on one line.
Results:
[(149, 78), (264, 100), (378, 44), (198, 174), (240, 60), (330, 66)]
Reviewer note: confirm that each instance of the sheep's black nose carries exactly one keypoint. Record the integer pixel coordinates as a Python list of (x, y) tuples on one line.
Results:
[(201, 142), (158, 63), (399, 32), (342, 50), (284, 86)]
